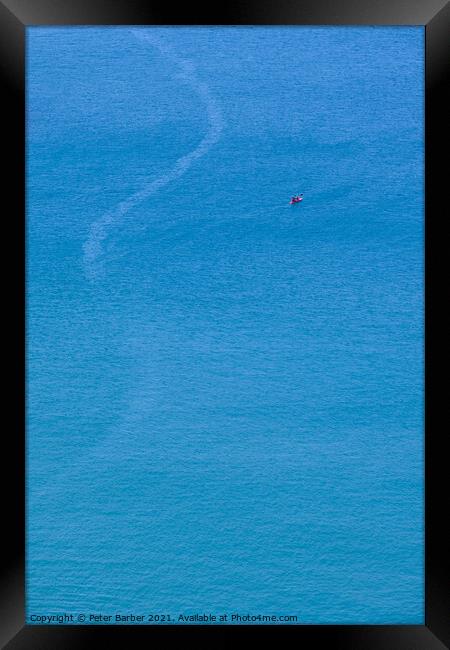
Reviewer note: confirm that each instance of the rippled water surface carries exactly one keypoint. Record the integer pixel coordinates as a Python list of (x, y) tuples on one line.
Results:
[(225, 391)]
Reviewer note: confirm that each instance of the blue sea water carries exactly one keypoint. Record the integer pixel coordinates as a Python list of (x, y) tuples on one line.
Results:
[(225, 392)]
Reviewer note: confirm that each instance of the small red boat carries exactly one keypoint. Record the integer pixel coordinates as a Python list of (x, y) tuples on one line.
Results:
[(295, 199)]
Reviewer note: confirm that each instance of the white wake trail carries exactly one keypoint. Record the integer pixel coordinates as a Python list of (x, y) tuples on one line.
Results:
[(93, 247)]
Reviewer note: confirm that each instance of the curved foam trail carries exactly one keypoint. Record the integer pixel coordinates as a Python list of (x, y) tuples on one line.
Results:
[(93, 247)]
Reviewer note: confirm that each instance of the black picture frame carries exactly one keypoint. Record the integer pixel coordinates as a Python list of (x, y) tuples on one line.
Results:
[(15, 16)]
